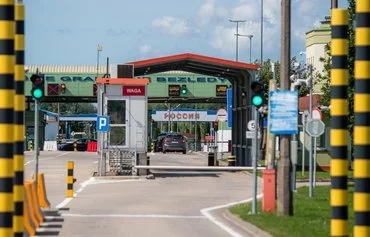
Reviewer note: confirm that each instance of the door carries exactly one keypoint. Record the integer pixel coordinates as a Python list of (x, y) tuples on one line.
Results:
[(116, 109)]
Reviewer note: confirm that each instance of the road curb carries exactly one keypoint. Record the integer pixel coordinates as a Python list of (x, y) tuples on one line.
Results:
[(118, 177), (244, 225)]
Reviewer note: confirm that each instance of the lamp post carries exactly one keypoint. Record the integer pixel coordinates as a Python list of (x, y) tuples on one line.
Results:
[(250, 46), (99, 48), (237, 35)]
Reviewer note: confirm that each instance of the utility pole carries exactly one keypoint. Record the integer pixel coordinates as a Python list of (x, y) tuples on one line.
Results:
[(237, 36), (334, 4), (284, 191), (99, 48), (250, 45)]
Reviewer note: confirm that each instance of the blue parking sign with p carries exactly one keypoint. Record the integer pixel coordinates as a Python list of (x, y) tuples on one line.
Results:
[(102, 124)]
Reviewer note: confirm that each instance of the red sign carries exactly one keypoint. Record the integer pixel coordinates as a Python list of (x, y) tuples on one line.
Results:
[(133, 90)]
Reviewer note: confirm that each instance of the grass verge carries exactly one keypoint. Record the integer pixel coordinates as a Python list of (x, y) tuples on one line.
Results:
[(311, 215)]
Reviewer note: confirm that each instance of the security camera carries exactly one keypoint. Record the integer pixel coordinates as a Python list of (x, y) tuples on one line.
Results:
[(292, 78), (301, 53), (26, 69)]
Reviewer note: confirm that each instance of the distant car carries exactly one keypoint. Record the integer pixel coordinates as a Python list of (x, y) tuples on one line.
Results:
[(81, 145), (159, 142), (174, 142)]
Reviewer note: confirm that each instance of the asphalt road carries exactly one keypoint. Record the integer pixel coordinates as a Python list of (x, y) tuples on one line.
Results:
[(172, 204)]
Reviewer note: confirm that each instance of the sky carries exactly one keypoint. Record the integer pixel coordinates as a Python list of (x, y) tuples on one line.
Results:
[(67, 32)]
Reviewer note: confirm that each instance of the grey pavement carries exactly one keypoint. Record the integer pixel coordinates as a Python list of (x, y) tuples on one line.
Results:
[(172, 204)]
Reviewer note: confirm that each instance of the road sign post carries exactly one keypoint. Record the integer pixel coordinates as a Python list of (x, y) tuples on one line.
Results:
[(315, 128), (102, 125)]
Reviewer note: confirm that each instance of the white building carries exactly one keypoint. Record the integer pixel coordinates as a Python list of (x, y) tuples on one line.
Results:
[(316, 40)]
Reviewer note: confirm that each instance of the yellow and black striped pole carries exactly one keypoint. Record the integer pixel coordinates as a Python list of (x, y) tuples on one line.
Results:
[(339, 121), (18, 192), (7, 33), (75, 145), (70, 179), (361, 199)]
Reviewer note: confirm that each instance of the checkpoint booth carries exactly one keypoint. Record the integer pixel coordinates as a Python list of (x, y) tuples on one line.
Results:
[(124, 102)]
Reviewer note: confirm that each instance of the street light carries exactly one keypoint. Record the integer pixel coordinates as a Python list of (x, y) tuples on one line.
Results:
[(250, 46), (99, 48), (237, 34)]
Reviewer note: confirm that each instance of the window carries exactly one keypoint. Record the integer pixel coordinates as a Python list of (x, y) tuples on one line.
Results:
[(117, 117)]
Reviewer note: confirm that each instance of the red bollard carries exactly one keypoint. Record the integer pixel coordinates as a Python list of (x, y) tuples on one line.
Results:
[(269, 190)]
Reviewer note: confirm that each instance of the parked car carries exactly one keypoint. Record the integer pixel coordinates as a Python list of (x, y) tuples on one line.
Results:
[(159, 141), (81, 145), (174, 142)]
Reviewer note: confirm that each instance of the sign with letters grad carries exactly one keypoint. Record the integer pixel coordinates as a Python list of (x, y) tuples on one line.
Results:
[(284, 112)]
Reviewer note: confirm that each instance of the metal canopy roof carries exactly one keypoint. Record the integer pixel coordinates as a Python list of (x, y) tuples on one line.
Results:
[(193, 63)]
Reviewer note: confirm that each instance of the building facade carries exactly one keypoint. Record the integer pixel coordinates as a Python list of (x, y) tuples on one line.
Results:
[(316, 40)]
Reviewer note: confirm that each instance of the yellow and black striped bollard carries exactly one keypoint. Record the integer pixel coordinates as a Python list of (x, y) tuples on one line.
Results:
[(7, 60), (339, 115), (152, 147), (19, 107), (361, 199), (70, 179), (75, 145)]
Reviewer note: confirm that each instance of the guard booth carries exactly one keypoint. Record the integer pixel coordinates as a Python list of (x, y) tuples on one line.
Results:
[(125, 102)]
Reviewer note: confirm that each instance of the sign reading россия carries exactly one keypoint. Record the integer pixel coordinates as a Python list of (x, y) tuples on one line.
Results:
[(186, 115)]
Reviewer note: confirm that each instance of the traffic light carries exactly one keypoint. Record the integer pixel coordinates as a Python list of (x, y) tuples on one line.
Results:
[(257, 97), (63, 88), (215, 125), (38, 83), (184, 90)]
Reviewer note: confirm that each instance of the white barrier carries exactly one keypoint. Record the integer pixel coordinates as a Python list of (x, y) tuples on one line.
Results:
[(50, 146)]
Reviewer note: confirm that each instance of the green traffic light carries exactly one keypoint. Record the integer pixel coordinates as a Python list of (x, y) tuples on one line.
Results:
[(183, 91), (37, 93), (257, 100)]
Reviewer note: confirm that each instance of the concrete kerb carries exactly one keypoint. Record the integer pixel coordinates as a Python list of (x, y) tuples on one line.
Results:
[(244, 225)]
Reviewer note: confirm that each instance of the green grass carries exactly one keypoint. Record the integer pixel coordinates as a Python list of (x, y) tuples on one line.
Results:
[(320, 175), (311, 215)]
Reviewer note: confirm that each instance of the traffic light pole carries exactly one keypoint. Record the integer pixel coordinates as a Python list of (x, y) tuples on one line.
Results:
[(36, 142), (255, 160)]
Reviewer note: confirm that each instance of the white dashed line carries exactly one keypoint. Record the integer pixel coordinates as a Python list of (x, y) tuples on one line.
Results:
[(50, 158)]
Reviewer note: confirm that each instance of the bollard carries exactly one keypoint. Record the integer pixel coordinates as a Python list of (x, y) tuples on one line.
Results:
[(269, 190), (70, 179), (231, 160), (148, 164), (152, 147), (211, 159), (30, 146), (75, 145)]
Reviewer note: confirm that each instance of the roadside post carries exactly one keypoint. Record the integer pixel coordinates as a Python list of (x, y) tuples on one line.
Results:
[(315, 128), (102, 126)]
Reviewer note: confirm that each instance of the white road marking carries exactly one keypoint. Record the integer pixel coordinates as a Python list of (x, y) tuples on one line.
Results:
[(50, 158), (65, 202), (206, 213), (102, 181), (95, 162), (84, 184), (133, 216)]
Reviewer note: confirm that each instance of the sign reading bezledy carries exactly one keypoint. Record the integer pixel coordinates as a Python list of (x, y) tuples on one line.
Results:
[(284, 112)]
